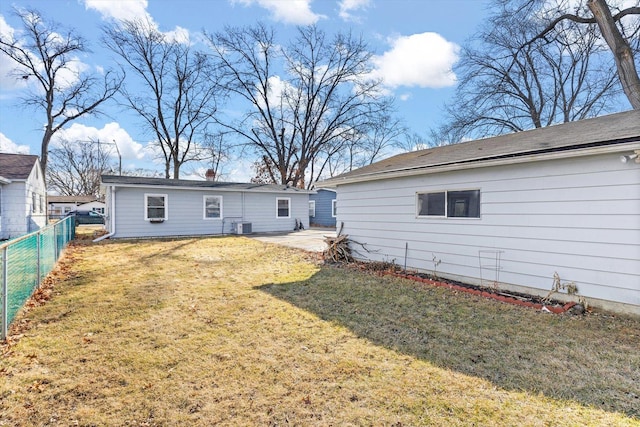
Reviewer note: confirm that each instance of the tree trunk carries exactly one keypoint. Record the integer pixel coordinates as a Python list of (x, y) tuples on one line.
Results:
[(621, 51)]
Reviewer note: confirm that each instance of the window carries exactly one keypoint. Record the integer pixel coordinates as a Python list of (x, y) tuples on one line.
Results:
[(334, 208), (450, 204), (41, 203), (212, 207), (155, 207), (282, 207), (33, 202), (312, 208)]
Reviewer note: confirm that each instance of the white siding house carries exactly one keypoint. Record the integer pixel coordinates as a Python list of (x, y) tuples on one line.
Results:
[(59, 206), (517, 208), (23, 195), (153, 207)]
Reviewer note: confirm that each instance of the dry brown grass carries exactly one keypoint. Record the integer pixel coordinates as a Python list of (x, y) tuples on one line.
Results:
[(230, 331)]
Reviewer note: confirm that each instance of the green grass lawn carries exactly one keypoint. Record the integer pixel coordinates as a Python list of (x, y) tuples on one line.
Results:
[(230, 331)]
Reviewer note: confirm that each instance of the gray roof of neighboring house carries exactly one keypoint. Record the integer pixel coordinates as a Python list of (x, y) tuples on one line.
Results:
[(16, 166), (138, 181), (606, 130), (72, 199)]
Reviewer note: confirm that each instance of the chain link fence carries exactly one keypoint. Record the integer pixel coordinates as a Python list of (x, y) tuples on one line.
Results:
[(25, 262)]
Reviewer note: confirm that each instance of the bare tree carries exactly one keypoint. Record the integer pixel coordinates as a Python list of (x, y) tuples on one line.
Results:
[(506, 87), (179, 97), (599, 13), (304, 100), (47, 55), (76, 166)]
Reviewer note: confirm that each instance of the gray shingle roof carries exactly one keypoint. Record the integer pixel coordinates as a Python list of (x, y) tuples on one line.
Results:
[(71, 199), (16, 166), (184, 183), (605, 130)]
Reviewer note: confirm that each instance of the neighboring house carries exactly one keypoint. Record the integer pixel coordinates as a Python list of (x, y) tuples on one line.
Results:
[(322, 208), (59, 206), (23, 195), (563, 199), (154, 207)]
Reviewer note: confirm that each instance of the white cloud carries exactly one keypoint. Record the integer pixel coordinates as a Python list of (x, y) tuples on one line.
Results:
[(422, 60), (129, 149), (131, 10), (349, 6), (8, 146), (118, 9), (8, 79), (297, 12)]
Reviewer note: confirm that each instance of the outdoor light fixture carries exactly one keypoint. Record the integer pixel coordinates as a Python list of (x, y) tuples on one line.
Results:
[(625, 159)]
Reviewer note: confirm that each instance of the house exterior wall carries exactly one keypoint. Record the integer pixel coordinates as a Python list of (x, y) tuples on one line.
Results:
[(324, 211), (579, 217), (185, 212), (18, 215)]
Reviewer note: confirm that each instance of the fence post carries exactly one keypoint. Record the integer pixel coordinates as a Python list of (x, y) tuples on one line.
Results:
[(4, 294), (38, 255)]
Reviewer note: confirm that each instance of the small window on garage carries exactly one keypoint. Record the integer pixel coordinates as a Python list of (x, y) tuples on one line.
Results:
[(283, 207), (312, 208), (334, 208), (449, 204), (155, 207), (212, 206), (33, 202)]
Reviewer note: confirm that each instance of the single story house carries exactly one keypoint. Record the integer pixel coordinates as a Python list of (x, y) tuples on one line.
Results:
[(23, 195), (322, 208), (511, 210), (59, 206), (155, 207)]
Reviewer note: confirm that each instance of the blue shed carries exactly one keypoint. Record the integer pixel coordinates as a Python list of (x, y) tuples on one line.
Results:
[(322, 208)]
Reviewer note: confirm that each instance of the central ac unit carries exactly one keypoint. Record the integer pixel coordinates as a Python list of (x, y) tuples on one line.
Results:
[(243, 228)]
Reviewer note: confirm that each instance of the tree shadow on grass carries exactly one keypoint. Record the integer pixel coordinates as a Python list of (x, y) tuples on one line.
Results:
[(592, 359)]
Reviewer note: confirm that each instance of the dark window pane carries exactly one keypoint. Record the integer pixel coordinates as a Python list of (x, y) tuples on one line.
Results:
[(213, 207), (431, 204), (465, 204), (283, 208)]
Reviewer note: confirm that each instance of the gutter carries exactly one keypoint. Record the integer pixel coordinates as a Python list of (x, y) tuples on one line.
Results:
[(112, 216)]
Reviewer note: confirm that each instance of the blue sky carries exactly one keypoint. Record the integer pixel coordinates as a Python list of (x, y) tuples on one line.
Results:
[(416, 43)]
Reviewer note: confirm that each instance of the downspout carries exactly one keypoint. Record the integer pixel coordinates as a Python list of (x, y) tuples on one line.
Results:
[(112, 216)]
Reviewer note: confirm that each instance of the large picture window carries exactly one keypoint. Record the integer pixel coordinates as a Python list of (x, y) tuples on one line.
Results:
[(283, 209), (155, 207), (450, 204), (212, 206)]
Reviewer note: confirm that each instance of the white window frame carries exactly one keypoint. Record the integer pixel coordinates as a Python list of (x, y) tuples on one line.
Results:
[(204, 207), (33, 202), (446, 204), (288, 199), (312, 208), (146, 206), (334, 208)]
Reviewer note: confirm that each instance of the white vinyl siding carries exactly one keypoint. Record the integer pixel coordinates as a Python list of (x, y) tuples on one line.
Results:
[(156, 207), (212, 207), (577, 217), (186, 218)]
